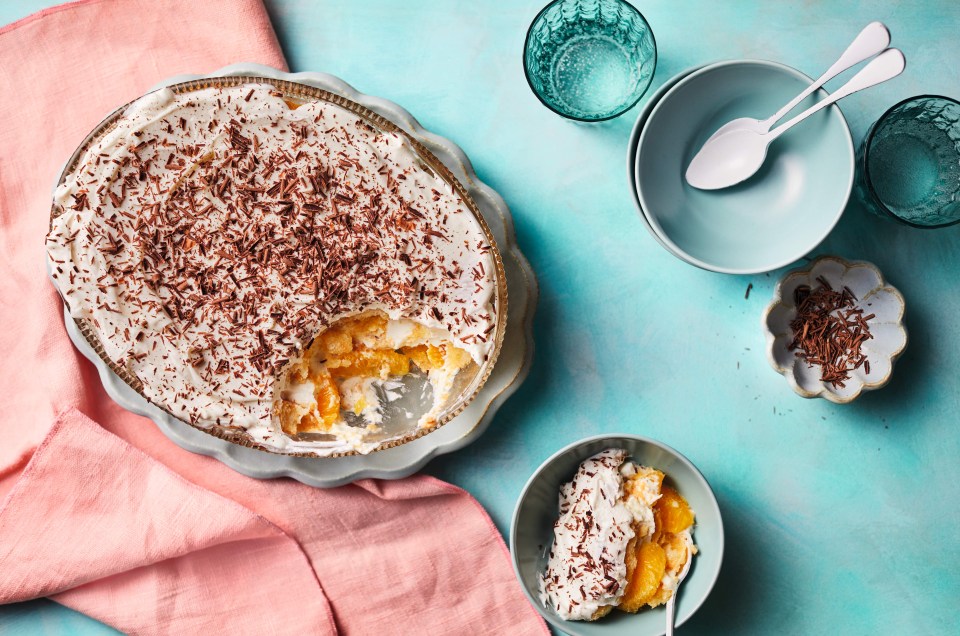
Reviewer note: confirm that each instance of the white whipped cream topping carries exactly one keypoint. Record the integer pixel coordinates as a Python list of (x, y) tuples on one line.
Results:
[(186, 240), (587, 565)]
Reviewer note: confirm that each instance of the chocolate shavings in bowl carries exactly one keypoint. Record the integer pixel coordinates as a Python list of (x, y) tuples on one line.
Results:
[(829, 330)]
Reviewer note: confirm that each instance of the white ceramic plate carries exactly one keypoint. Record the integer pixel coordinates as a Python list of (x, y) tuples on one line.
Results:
[(509, 371)]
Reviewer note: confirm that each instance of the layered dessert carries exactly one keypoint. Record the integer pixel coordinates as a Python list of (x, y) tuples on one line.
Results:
[(270, 266), (621, 540)]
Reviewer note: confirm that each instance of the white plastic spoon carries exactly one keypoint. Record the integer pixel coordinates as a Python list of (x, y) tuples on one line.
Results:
[(737, 155), (874, 38)]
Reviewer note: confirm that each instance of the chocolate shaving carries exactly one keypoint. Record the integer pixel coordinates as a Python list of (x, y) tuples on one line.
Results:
[(829, 331), (213, 238)]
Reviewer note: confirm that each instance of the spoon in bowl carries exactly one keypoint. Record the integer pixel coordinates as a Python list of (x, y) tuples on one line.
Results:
[(735, 156), (672, 602), (874, 38)]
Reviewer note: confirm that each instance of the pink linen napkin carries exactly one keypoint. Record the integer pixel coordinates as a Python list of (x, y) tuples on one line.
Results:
[(98, 510)]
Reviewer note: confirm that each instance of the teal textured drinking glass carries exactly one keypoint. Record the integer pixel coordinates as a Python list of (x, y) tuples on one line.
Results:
[(908, 166), (589, 60)]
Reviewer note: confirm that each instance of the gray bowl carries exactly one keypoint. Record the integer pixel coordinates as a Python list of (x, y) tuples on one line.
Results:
[(531, 531), (633, 144), (770, 220)]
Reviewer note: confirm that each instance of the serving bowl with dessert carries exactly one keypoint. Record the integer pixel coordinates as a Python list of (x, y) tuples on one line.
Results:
[(605, 528), (269, 260)]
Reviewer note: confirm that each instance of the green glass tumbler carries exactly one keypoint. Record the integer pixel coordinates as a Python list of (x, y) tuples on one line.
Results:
[(589, 60), (908, 165)]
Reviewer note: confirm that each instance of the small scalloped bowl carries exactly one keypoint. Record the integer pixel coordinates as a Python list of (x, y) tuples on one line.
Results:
[(874, 296)]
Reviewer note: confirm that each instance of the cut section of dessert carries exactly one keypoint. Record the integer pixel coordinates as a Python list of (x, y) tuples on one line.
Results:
[(646, 565), (655, 559), (344, 364)]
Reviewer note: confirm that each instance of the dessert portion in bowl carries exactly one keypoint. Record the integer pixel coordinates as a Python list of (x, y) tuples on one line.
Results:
[(275, 267), (621, 540)]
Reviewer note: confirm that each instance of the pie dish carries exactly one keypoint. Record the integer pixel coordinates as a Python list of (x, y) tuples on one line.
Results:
[(392, 434)]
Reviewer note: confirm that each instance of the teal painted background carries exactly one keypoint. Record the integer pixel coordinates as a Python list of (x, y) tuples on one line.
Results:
[(839, 519)]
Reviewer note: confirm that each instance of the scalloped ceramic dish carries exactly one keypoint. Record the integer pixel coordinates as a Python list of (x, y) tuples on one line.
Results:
[(396, 460), (873, 295)]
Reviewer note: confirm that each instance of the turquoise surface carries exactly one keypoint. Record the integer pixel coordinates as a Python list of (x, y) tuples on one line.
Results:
[(838, 519)]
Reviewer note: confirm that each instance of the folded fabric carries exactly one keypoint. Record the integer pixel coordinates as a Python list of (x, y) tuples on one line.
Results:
[(90, 507), (98, 510)]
